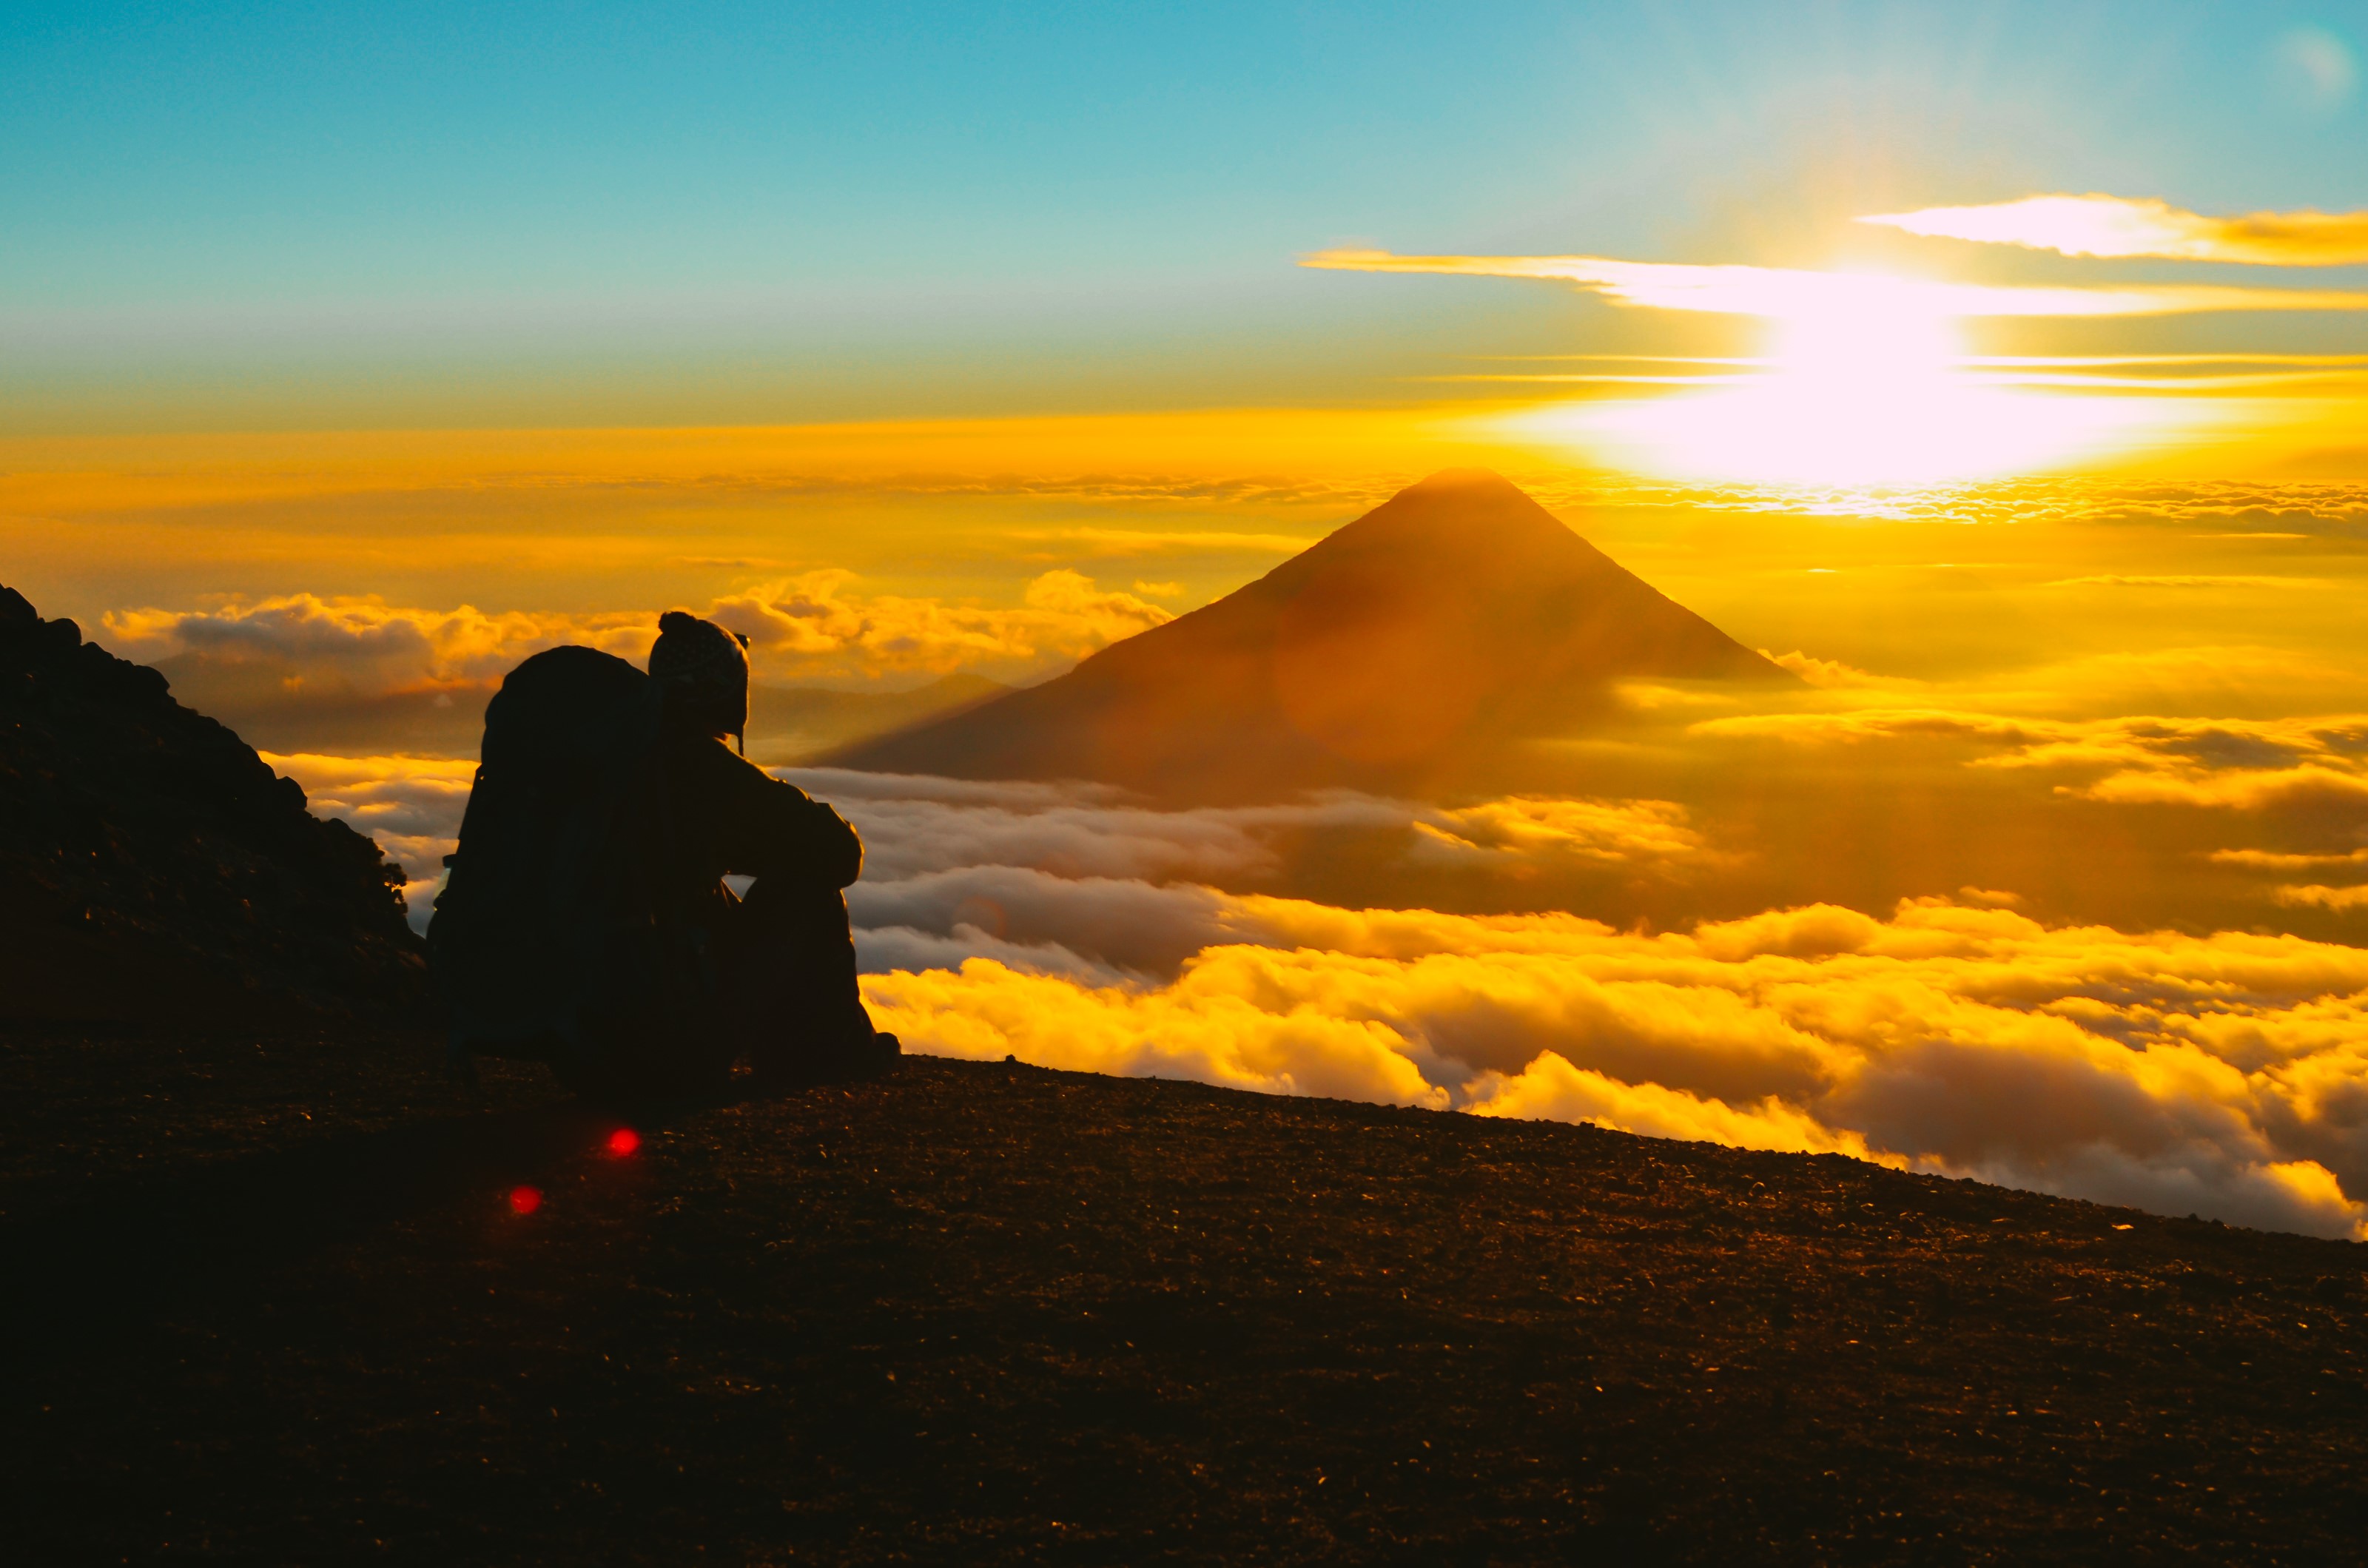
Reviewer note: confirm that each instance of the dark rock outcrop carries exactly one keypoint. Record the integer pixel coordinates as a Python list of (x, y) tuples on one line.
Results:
[(1417, 648), (153, 868)]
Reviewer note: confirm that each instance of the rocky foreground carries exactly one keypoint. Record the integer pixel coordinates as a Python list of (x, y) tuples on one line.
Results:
[(154, 869), (276, 1301)]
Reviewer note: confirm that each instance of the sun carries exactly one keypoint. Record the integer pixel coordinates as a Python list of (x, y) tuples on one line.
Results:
[(1881, 337), (1866, 383)]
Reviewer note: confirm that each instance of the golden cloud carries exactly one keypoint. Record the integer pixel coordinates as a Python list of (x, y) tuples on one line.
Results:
[(412, 805), (1832, 674), (2227, 1072), (814, 621), (2119, 226), (1849, 726), (2234, 764), (1092, 831), (2269, 860), (1635, 832), (811, 625), (1120, 543), (2325, 897), (367, 643), (2178, 580), (1788, 293), (2242, 790)]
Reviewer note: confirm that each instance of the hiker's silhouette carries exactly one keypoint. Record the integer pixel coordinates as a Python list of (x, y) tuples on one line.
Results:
[(584, 919)]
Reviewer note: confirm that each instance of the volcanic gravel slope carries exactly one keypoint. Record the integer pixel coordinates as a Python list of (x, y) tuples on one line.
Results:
[(269, 1301)]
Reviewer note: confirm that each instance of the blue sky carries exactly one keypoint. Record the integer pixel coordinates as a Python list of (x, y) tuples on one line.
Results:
[(559, 213)]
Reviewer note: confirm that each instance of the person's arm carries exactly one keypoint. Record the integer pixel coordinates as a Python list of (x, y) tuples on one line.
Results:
[(764, 827)]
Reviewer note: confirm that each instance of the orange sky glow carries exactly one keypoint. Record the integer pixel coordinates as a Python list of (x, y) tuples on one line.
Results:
[(2029, 435), (1865, 377)]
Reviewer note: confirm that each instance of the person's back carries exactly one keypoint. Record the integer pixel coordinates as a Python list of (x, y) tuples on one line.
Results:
[(584, 919)]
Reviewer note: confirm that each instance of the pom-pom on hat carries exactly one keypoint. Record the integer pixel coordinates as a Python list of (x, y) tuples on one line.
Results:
[(708, 669)]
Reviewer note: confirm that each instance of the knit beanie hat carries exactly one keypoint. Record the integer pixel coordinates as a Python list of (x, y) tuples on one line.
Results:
[(708, 669)]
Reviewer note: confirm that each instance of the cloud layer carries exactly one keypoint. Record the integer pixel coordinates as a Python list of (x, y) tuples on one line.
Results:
[(412, 805), (813, 626), (2226, 1075), (812, 623), (2223, 1073), (2115, 226), (2234, 764), (362, 644), (1073, 829)]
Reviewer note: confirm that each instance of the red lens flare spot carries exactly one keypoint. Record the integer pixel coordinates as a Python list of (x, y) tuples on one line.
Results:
[(623, 1142), (525, 1200)]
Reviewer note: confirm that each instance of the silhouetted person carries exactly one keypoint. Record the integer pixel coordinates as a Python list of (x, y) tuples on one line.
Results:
[(585, 920)]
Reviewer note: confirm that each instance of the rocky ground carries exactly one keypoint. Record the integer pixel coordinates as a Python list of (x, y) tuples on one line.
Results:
[(153, 868), (274, 1300)]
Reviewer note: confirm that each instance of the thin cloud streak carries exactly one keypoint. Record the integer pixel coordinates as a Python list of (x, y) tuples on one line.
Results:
[(1101, 542), (1788, 293), (2319, 379), (2124, 227), (1998, 362)]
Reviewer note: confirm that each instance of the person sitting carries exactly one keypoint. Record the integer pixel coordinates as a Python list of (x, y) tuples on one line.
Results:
[(585, 918)]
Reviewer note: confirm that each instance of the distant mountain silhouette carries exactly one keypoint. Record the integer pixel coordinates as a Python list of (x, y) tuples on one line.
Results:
[(1403, 650), (154, 869)]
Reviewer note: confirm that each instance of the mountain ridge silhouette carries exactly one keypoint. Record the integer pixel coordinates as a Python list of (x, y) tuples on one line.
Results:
[(152, 866), (1405, 651)]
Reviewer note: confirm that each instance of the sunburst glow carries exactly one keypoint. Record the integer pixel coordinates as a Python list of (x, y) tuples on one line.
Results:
[(1868, 387), (1865, 381)]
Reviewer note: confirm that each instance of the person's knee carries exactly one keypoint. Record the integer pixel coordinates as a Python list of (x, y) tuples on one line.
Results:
[(804, 917), (792, 898)]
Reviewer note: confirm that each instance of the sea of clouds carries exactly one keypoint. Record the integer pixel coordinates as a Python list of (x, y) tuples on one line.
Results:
[(2224, 1074)]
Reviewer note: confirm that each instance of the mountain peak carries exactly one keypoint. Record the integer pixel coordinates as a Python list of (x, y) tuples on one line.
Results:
[(1469, 496), (1462, 481), (1403, 651), (1454, 510)]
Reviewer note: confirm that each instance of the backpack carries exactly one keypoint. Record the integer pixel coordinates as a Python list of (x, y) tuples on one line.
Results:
[(551, 937)]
